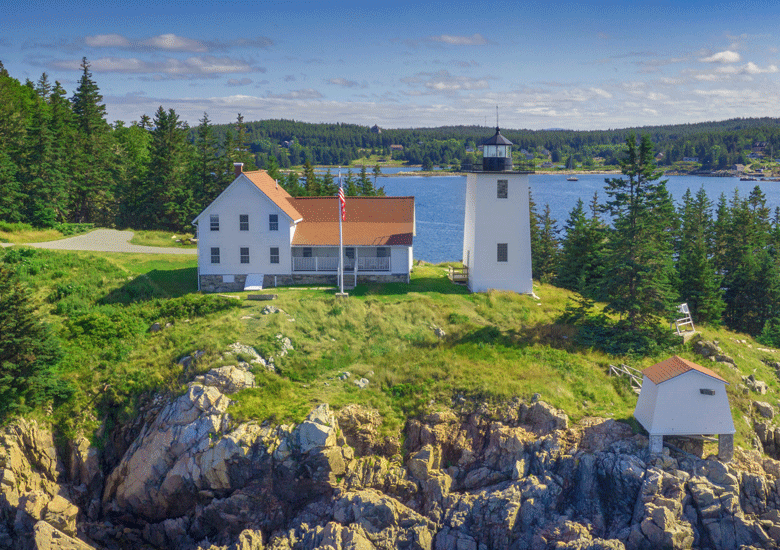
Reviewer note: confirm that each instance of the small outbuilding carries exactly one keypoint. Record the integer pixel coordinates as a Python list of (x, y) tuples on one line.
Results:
[(682, 398)]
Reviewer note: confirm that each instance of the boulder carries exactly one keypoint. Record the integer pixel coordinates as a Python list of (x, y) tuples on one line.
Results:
[(764, 409), (229, 379), (46, 537), (543, 418)]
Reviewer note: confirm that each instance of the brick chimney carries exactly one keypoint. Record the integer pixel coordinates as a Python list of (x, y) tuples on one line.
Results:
[(238, 168)]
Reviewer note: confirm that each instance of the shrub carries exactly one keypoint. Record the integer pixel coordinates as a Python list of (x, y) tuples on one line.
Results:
[(194, 305)]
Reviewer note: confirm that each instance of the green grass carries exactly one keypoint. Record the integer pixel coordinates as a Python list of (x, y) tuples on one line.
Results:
[(497, 346), (163, 239)]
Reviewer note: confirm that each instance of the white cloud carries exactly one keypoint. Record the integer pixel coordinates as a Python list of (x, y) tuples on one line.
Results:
[(107, 41), (722, 57), (453, 40), (444, 82), (171, 42), (342, 82), (190, 67), (308, 93), (601, 93)]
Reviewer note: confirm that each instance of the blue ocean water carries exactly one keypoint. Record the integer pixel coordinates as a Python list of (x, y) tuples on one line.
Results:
[(439, 202)]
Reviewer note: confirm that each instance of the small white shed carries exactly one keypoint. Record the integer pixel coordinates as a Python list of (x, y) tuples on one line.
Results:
[(679, 397)]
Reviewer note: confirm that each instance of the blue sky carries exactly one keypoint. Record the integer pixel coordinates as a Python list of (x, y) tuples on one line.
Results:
[(578, 65)]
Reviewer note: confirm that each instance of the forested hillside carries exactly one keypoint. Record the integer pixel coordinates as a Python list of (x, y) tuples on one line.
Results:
[(62, 161)]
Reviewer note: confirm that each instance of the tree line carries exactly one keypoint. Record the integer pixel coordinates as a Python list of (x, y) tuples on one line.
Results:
[(642, 257), (61, 161)]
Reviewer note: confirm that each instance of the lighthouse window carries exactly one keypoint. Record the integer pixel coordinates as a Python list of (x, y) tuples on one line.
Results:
[(503, 252), (502, 189)]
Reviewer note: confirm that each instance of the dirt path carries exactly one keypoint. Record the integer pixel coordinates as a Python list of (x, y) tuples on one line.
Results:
[(107, 240)]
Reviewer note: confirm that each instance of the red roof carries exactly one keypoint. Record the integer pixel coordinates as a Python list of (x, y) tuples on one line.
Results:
[(275, 192), (371, 221), (675, 366)]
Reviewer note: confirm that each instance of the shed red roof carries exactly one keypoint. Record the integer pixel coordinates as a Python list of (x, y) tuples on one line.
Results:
[(675, 366), (371, 221), (275, 192)]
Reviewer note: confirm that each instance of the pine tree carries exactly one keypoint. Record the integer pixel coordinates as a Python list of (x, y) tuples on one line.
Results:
[(544, 253), (698, 284), (352, 189), (169, 184), (312, 184), (582, 255), (207, 164), (29, 352), (365, 187), (638, 281), (92, 193), (292, 184)]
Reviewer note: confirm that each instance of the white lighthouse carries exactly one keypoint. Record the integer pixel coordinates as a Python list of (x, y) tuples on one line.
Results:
[(497, 230)]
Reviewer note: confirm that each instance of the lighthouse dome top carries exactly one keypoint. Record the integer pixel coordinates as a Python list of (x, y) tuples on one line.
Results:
[(497, 139)]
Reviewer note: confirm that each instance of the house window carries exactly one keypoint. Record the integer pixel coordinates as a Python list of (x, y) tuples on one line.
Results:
[(382, 252), (705, 391), (349, 253), (274, 255), (502, 189), (215, 255), (307, 252), (503, 252), (273, 222), (244, 255), (214, 222), (243, 222)]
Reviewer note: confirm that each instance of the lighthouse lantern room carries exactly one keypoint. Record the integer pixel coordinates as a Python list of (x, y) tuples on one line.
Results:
[(497, 230)]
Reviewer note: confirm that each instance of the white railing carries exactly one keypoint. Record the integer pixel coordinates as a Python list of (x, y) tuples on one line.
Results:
[(373, 264), (315, 263), (330, 263)]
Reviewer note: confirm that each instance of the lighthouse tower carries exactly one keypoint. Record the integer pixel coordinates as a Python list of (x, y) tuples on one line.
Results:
[(497, 229)]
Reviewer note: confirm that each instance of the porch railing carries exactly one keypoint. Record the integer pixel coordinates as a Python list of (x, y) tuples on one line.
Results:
[(330, 263)]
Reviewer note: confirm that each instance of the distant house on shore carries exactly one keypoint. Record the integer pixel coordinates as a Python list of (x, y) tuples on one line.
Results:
[(681, 398), (256, 235), (690, 159), (396, 147)]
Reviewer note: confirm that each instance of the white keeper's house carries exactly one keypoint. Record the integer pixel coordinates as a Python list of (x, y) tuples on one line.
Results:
[(256, 235)]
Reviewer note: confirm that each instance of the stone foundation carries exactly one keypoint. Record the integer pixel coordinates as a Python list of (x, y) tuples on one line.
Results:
[(216, 283)]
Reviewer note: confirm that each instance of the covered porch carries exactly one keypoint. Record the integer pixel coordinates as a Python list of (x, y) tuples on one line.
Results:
[(360, 259)]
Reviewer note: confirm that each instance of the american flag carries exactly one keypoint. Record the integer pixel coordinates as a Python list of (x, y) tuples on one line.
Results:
[(342, 202)]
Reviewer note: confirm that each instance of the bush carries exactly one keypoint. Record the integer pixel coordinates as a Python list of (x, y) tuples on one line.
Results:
[(194, 305)]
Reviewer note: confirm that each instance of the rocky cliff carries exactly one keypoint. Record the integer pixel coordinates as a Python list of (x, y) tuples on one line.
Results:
[(515, 476)]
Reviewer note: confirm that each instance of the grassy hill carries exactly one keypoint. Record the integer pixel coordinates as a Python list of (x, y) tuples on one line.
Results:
[(495, 346)]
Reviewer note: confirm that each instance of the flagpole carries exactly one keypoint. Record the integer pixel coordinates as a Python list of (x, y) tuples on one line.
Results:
[(341, 237)]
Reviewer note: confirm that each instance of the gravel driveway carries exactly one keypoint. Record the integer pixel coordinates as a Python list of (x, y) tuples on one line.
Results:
[(107, 240)]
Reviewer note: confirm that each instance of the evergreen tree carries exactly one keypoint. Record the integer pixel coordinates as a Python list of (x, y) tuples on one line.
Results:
[(328, 187), (14, 99), (272, 167), (130, 172), (698, 284), (312, 184), (207, 164), (638, 281), (292, 184), (365, 187), (243, 152), (92, 192), (29, 352), (351, 185), (582, 255), (544, 253), (168, 189)]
